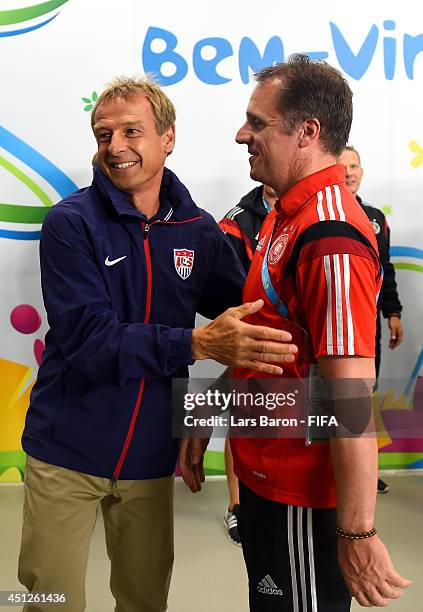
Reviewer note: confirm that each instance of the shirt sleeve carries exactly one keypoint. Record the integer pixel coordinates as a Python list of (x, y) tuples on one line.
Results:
[(338, 278)]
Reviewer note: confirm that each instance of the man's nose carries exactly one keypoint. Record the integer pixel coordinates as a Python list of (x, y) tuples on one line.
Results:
[(242, 136), (117, 144)]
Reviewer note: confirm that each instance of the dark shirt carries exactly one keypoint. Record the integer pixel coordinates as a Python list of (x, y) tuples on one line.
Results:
[(389, 299)]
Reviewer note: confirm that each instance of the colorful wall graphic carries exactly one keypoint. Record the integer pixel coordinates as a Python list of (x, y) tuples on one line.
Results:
[(58, 55), (22, 223), (36, 16)]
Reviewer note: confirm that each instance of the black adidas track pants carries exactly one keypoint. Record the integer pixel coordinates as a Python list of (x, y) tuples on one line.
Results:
[(291, 557)]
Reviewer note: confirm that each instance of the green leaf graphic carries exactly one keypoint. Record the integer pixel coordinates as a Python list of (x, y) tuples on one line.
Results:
[(86, 100), (94, 96), (88, 107)]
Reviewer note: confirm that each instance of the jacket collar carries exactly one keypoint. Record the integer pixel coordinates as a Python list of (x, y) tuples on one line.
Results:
[(176, 203), (253, 202), (300, 193)]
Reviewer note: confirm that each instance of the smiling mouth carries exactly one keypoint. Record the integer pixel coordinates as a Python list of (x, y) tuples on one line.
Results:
[(124, 165)]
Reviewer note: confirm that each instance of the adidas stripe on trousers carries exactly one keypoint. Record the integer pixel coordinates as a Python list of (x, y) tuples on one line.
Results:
[(291, 557)]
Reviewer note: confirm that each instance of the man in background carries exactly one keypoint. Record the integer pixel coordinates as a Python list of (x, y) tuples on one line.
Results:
[(242, 226), (389, 303)]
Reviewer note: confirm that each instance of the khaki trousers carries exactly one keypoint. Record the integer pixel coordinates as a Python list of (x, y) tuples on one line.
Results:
[(60, 511)]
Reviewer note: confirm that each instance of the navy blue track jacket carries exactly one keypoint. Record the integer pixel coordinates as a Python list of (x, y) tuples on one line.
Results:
[(121, 295)]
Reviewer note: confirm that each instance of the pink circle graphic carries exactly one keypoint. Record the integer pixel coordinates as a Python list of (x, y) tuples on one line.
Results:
[(25, 319)]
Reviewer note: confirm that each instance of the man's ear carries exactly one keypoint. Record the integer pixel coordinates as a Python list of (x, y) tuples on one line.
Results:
[(310, 132), (169, 140)]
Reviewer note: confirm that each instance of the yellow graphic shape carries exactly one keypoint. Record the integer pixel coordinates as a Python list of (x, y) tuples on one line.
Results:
[(14, 402), (389, 401), (394, 401), (11, 475), (383, 437), (418, 159)]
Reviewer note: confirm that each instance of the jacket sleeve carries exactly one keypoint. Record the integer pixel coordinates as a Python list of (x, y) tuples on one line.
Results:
[(85, 327), (225, 281), (240, 242), (389, 298)]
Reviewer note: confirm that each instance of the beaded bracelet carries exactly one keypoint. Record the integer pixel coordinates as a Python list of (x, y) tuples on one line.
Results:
[(350, 535)]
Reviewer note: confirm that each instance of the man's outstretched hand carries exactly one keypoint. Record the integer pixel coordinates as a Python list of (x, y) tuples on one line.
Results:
[(232, 342)]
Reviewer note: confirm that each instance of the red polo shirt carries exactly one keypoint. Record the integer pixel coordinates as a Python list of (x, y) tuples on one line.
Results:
[(323, 264)]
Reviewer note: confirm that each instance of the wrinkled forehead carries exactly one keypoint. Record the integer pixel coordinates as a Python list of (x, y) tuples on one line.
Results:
[(264, 98), (135, 105)]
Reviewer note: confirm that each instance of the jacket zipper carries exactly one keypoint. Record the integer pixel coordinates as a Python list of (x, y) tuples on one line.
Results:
[(124, 452), (132, 424)]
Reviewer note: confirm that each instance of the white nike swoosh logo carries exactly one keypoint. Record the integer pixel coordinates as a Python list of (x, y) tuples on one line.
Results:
[(112, 262)]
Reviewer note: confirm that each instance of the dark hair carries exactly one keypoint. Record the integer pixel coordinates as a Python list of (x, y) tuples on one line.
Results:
[(313, 89)]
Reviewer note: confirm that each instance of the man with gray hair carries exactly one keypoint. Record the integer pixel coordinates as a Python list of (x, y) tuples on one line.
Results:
[(389, 303), (125, 265)]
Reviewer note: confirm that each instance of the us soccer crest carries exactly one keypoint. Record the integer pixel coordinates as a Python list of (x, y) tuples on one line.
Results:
[(184, 261)]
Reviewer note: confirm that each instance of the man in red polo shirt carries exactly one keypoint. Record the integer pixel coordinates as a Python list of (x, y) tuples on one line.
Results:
[(307, 521)]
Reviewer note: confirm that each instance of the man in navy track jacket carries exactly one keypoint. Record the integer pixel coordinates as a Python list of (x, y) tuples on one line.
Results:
[(125, 265)]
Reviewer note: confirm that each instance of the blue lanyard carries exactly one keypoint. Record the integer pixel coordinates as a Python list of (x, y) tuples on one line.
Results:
[(266, 204), (268, 287), (277, 303)]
